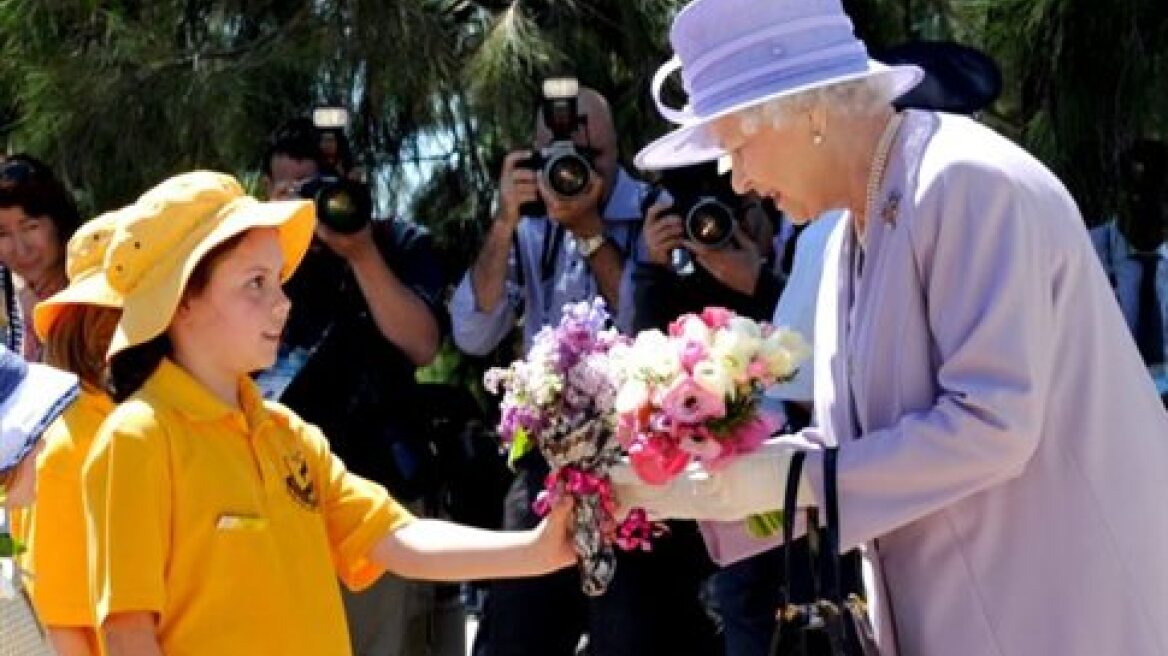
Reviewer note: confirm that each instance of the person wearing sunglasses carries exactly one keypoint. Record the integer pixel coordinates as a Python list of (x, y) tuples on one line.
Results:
[(37, 217)]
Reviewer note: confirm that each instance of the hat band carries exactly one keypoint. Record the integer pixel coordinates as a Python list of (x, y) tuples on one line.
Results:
[(847, 58), (715, 55), (13, 369)]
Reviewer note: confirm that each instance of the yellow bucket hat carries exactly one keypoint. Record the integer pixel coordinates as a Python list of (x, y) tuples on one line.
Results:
[(85, 257), (168, 232)]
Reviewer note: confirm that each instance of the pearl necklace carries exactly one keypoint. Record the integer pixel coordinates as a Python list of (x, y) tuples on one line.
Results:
[(879, 162)]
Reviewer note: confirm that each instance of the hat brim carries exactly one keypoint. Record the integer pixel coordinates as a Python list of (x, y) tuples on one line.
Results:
[(90, 290), (28, 411), (148, 311), (693, 143)]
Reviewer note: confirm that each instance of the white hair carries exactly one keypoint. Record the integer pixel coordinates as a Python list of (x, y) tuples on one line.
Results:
[(864, 97)]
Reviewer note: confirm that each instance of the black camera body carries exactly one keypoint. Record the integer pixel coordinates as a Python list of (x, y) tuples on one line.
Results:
[(707, 205), (563, 167), (342, 204)]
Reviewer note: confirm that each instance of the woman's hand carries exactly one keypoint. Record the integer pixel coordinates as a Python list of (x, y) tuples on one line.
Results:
[(749, 484)]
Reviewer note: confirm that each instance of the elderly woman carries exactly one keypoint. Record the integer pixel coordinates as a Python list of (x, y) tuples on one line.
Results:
[(1001, 448)]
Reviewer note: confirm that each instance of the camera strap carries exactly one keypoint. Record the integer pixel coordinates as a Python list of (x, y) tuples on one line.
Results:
[(551, 249), (15, 336)]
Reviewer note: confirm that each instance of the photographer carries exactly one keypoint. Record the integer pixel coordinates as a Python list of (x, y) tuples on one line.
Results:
[(722, 257), (561, 249), (366, 313), (546, 249), (1133, 249)]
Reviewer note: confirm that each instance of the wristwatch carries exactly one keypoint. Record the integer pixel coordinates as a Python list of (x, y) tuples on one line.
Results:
[(589, 245)]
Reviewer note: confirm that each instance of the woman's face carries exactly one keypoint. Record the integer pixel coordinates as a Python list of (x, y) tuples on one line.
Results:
[(778, 163), (31, 247), (237, 320)]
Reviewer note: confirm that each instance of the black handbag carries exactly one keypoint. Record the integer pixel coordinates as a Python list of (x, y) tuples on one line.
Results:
[(830, 624)]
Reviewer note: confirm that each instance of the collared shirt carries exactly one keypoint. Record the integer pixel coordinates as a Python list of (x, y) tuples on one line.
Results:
[(546, 272), (797, 303), (1126, 273), (231, 525), (345, 376), (57, 549)]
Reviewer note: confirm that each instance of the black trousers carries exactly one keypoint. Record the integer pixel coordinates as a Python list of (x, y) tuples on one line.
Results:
[(653, 605)]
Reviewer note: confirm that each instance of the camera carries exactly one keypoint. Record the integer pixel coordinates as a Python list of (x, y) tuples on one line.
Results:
[(707, 205), (342, 204), (564, 168)]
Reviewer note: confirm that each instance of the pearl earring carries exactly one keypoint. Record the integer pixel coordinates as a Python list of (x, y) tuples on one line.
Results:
[(817, 138)]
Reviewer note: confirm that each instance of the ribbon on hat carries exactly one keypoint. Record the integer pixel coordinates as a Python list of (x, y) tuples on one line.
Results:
[(702, 97), (13, 369), (668, 113)]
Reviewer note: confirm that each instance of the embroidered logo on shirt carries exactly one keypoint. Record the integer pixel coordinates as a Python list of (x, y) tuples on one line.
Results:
[(299, 481)]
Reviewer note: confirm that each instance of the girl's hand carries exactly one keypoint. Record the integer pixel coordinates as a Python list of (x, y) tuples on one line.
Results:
[(552, 539)]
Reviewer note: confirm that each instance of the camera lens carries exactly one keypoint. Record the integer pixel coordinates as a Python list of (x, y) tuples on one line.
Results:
[(567, 175), (341, 204), (710, 223)]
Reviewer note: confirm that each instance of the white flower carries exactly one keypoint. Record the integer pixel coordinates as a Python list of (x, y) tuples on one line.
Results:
[(632, 396), (711, 376), (695, 330), (733, 351), (783, 352), (745, 326), (547, 389), (653, 356)]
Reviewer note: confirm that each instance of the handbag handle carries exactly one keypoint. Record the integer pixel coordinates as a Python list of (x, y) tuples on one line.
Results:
[(829, 556)]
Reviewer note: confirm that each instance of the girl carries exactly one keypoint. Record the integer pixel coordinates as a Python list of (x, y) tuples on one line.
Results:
[(75, 325), (223, 521), (31, 397)]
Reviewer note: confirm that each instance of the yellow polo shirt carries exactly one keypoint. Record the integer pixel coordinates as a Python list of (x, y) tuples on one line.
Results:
[(231, 526), (57, 554)]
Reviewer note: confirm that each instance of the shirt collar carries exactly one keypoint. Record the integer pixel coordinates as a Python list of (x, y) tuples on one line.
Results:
[(624, 204), (95, 399), (1121, 249), (172, 384)]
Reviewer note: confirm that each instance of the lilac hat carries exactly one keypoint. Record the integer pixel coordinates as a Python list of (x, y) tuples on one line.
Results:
[(737, 53), (31, 397)]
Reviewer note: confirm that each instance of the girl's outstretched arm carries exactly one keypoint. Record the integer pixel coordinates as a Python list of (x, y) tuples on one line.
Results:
[(437, 550)]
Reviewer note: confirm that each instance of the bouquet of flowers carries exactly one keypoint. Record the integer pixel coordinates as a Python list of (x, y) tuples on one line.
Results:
[(693, 395), (560, 399)]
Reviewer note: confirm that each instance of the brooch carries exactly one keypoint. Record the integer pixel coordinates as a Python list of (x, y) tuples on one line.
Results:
[(891, 209)]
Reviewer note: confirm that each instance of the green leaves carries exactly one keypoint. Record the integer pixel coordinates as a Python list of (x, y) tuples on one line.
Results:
[(10, 547), (765, 525), (521, 445)]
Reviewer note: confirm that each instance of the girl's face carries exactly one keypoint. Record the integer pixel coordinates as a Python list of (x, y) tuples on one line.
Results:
[(235, 322), (31, 248)]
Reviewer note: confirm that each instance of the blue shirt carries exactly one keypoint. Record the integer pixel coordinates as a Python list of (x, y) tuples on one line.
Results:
[(1125, 274), (548, 271)]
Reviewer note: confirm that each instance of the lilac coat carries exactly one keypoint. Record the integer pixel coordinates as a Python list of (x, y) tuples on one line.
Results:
[(1010, 478)]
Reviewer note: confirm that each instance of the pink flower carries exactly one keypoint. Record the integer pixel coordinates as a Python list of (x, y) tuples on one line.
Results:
[(702, 445), (689, 403), (757, 369), (691, 354), (656, 459), (751, 434), (717, 317)]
